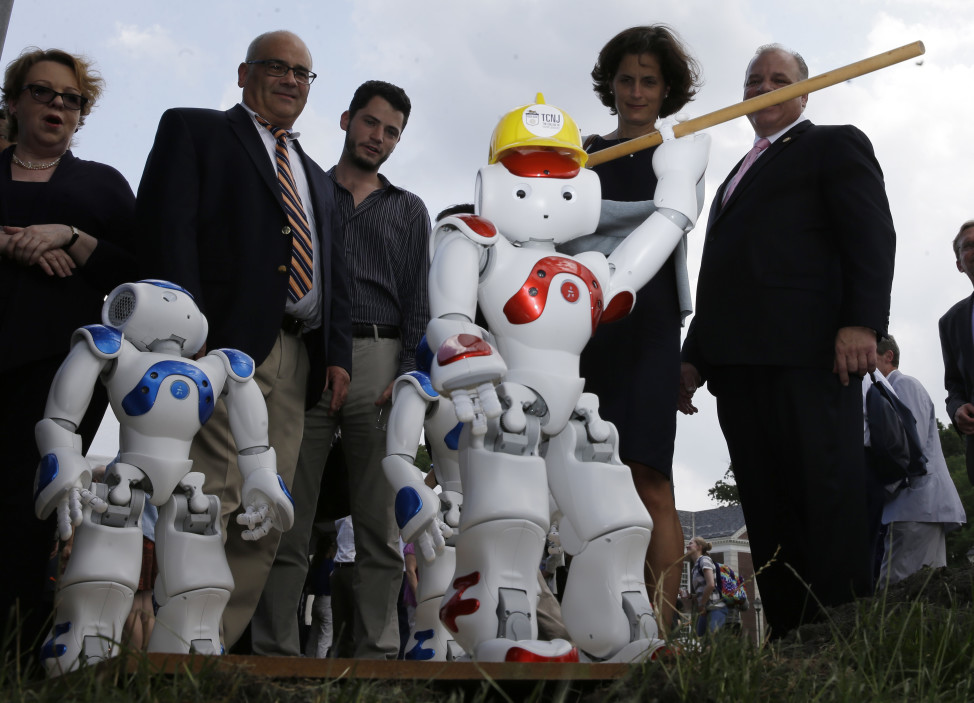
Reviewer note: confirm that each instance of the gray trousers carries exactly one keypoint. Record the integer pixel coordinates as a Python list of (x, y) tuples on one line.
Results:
[(378, 562)]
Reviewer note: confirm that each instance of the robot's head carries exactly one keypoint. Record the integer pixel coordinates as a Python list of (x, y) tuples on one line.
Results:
[(156, 316), (535, 187)]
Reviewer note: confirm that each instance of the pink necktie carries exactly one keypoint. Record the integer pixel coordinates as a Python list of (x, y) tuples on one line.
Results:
[(752, 156)]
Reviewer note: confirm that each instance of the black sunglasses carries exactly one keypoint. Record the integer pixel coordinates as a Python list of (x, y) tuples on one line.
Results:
[(43, 94)]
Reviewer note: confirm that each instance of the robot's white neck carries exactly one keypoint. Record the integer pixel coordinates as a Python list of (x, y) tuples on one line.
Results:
[(546, 244), (167, 346)]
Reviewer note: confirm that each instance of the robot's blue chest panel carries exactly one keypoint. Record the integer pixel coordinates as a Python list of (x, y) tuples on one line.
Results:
[(142, 398)]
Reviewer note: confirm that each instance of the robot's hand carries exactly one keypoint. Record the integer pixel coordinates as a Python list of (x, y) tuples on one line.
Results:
[(417, 514), (450, 503), (70, 510), (475, 406), (588, 408), (268, 504), (667, 124), (466, 369), (60, 471), (432, 540)]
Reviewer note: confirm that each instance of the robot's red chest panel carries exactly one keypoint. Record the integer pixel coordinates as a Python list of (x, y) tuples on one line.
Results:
[(528, 304)]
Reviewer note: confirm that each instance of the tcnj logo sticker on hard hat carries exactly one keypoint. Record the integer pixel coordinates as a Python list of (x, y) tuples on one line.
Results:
[(543, 120)]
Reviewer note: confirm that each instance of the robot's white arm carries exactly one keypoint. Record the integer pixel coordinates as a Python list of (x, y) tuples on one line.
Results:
[(466, 366), (63, 475), (679, 165), (266, 499), (417, 505)]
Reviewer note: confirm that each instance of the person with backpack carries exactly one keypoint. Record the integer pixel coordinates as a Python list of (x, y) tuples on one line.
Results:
[(711, 609), (920, 513)]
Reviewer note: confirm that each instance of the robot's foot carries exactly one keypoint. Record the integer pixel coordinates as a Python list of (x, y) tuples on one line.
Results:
[(88, 624), (60, 659), (504, 650), (632, 653), (427, 646)]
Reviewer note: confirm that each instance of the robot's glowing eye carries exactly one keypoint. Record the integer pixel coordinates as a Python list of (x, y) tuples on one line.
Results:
[(522, 191), (568, 193)]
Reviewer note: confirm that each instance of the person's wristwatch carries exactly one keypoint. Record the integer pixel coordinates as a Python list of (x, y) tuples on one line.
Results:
[(74, 237)]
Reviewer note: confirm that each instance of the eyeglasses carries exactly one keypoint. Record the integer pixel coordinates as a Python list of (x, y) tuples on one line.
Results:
[(43, 94), (279, 70)]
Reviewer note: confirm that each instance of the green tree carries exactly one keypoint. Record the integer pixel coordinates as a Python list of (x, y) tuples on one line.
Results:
[(423, 461), (959, 542), (724, 491)]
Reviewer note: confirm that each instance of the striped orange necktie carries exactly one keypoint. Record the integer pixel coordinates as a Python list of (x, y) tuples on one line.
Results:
[(302, 258)]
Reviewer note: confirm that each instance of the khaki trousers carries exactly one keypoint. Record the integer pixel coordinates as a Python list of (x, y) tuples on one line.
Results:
[(282, 378)]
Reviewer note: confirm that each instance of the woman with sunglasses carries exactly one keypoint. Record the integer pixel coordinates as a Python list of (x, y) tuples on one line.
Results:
[(65, 230)]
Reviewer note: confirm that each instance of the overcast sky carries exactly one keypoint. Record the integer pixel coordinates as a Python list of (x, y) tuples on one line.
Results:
[(466, 63)]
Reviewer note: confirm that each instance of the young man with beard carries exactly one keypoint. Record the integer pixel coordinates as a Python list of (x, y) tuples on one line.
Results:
[(386, 234)]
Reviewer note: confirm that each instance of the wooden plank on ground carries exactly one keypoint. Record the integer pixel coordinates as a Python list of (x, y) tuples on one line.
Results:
[(300, 667)]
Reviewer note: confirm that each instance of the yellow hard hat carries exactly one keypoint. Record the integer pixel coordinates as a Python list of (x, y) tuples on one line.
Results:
[(537, 126)]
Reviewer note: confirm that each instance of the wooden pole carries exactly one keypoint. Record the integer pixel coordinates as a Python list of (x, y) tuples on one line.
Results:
[(759, 102)]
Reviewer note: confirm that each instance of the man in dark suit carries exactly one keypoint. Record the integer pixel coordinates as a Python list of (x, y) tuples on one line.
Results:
[(957, 345), (794, 287), (215, 217)]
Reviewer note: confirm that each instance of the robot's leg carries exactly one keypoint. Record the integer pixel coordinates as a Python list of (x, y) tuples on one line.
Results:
[(194, 581), (95, 593), (430, 640), (607, 530), (490, 604)]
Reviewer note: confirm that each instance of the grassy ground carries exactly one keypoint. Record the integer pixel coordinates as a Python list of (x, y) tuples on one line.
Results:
[(915, 642)]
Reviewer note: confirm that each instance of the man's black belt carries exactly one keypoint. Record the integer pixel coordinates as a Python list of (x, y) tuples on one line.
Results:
[(344, 564), (375, 331), (291, 324)]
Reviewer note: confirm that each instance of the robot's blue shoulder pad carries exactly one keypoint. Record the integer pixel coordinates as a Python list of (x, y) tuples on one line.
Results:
[(239, 365), (420, 381), (105, 342), (474, 227)]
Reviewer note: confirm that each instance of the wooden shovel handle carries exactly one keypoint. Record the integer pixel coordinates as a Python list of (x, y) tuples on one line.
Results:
[(759, 102)]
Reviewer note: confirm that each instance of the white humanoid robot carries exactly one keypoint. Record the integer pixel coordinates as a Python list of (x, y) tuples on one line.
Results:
[(161, 397), (528, 427), (428, 520)]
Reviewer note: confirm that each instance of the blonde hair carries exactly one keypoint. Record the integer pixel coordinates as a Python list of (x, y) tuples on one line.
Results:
[(14, 79), (704, 545)]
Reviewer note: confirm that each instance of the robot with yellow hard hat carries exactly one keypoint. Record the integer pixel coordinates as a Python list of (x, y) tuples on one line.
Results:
[(529, 429)]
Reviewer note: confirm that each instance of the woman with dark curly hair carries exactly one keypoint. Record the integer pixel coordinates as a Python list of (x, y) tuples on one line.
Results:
[(65, 228), (633, 365)]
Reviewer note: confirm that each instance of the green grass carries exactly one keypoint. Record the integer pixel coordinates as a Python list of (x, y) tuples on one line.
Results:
[(914, 642)]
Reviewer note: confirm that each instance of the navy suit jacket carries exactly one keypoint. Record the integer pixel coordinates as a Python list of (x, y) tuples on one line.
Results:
[(957, 345), (804, 245), (212, 219)]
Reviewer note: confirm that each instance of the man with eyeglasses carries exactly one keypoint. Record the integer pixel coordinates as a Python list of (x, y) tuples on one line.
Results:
[(231, 208), (386, 232), (958, 351)]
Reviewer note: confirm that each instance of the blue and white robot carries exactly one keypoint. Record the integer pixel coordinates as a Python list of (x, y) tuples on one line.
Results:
[(428, 520), (142, 354), (528, 427)]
